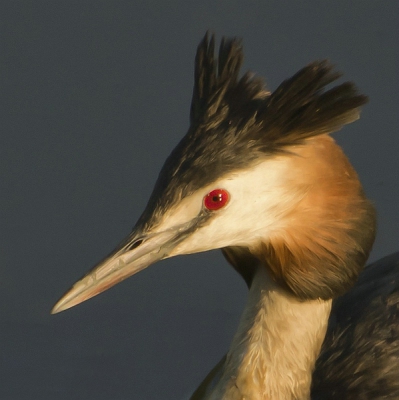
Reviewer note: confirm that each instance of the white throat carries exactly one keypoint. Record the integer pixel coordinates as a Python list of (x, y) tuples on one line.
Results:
[(274, 351)]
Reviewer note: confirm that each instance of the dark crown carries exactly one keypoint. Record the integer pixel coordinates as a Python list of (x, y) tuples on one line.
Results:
[(236, 121)]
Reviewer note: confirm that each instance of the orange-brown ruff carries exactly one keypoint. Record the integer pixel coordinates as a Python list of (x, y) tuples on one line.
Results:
[(327, 236), (258, 176)]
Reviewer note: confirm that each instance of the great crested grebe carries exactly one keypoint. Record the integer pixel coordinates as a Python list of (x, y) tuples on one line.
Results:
[(258, 176)]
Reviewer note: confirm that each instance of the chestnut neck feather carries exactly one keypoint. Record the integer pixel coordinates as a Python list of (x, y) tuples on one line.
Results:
[(293, 275), (325, 238)]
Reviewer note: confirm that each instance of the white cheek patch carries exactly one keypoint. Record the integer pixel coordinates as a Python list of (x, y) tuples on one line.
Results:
[(259, 199), (185, 211)]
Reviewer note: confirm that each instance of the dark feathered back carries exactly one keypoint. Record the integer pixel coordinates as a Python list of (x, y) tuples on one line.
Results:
[(360, 355)]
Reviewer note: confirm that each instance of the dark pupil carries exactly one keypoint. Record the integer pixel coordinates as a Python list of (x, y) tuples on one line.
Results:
[(216, 198)]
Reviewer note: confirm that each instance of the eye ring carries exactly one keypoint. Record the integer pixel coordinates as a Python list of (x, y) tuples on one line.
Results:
[(216, 199)]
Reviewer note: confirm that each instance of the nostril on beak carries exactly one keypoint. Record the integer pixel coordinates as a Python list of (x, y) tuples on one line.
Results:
[(135, 244)]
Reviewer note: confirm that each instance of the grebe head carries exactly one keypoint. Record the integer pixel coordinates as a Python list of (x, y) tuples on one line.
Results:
[(258, 176)]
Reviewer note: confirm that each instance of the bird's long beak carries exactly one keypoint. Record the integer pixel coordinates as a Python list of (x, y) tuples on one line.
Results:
[(134, 254)]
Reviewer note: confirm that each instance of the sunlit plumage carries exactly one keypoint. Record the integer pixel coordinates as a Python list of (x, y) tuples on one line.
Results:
[(258, 176)]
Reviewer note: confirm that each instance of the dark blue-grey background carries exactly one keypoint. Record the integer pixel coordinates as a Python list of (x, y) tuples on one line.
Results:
[(94, 96)]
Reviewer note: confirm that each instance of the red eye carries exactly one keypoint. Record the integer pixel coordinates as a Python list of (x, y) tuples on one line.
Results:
[(216, 199)]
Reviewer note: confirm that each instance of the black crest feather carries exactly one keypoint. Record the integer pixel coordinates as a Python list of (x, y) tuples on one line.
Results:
[(299, 108), (217, 90)]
